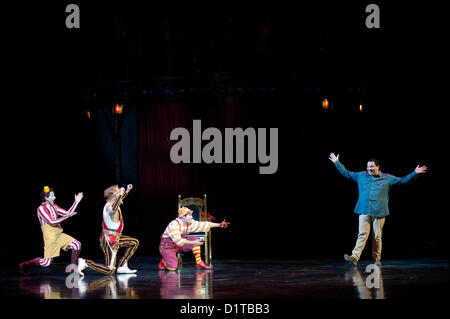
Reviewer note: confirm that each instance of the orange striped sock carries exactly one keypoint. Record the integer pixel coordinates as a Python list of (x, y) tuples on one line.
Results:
[(196, 250)]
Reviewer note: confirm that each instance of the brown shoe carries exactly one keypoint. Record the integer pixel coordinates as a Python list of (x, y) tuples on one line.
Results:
[(350, 259)]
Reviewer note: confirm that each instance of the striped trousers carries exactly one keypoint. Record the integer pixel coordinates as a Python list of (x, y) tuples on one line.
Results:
[(125, 241)]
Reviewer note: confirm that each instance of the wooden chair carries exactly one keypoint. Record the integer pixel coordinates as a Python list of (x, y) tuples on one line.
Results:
[(198, 205)]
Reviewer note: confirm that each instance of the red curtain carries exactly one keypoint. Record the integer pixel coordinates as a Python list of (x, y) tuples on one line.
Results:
[(157, 174)]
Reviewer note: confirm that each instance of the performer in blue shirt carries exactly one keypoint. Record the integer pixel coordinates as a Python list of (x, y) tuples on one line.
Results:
[(373, 203)]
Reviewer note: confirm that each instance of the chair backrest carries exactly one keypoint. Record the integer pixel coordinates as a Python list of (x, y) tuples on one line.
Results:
[(195, 204)]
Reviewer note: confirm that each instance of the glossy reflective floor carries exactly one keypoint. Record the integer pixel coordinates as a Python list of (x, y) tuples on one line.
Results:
[(234, 279)]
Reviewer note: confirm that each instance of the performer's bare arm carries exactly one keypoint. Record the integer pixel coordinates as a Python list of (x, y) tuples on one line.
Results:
[(71, 212), (223, 224), (78, 198)]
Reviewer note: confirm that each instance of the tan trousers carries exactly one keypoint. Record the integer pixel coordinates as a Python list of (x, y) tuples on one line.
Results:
[(54, 240), (364, 230)]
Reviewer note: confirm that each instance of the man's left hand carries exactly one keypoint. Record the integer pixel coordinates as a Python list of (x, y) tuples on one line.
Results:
[(420, 169)]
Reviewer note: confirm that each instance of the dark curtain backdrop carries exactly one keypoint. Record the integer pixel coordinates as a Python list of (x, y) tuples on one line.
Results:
[(158, 176)]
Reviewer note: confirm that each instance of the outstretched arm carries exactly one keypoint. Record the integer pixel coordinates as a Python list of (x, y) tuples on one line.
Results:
[(223, 224), (49, 219), (341, 168), (62, 212), (129, 188), (203, 227), (409, 177), (118, 201)]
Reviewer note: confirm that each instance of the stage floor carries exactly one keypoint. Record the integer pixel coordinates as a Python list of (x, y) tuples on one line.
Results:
[(237, 279)]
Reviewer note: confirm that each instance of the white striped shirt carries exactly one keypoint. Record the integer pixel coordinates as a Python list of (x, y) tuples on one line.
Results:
[(48, 214), (176, 228)]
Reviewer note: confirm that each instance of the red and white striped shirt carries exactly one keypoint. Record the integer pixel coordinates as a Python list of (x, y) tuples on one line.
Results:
[(176, 230), (48, 214)]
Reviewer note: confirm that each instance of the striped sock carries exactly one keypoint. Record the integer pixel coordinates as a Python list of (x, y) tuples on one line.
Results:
[(45, 262), (196, 250)]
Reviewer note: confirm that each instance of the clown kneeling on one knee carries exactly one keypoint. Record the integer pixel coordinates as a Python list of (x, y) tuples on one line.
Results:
[(174, 241)]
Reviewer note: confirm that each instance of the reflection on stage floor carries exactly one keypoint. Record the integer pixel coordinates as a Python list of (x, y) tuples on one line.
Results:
[(237, 279)]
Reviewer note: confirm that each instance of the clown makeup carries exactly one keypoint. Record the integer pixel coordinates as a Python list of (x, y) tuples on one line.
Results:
[(50, 198), (186, 218)]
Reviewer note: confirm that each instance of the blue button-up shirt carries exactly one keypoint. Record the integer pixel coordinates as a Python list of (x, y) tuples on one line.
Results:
[(373, 191)]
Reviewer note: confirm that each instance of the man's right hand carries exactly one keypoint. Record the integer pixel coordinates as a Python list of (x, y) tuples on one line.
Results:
[(197, 242), (334, 158)]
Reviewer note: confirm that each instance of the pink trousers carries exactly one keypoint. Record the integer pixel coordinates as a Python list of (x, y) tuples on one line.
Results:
[(169, 251)]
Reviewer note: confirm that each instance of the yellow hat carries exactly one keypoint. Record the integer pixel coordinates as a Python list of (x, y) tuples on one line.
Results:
[(46, 189), (183, 211)]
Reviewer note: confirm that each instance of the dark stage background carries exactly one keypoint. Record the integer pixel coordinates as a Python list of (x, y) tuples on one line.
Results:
[(256, 66)]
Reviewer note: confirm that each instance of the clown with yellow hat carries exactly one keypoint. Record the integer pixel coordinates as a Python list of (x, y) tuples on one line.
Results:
[(50, 217), (183, 211)]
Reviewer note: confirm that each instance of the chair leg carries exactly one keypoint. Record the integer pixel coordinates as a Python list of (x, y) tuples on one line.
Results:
[(206, 248), (210, 247), (208, 252)]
